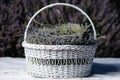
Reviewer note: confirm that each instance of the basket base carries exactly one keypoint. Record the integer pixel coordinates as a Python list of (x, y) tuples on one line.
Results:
[(63, 72), (60, 77)]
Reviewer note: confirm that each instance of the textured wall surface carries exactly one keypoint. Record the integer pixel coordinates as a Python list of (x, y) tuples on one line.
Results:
[(14, 15)]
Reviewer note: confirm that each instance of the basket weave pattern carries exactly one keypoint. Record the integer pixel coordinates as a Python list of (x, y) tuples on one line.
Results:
[(83, 52), (59, 61)]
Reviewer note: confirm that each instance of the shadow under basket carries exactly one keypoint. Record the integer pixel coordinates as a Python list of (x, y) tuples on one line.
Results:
[(59, 61)]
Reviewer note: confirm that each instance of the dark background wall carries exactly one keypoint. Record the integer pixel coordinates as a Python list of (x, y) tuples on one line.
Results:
[(14, 17)]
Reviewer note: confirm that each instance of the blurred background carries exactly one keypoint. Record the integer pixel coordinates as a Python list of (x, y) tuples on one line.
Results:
[(15, 14)]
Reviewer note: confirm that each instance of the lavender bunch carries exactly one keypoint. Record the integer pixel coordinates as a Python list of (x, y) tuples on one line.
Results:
[(64, 34)]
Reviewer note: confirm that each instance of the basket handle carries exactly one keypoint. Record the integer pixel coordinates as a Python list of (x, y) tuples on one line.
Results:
[(62, 4)]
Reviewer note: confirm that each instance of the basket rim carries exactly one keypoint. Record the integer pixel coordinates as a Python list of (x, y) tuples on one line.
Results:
[(54, 47)]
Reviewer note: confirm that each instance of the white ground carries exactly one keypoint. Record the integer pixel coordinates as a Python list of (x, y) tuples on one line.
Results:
[(103, 69)]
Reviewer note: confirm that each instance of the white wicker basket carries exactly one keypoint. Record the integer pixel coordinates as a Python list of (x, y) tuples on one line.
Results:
[(59, 61)]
